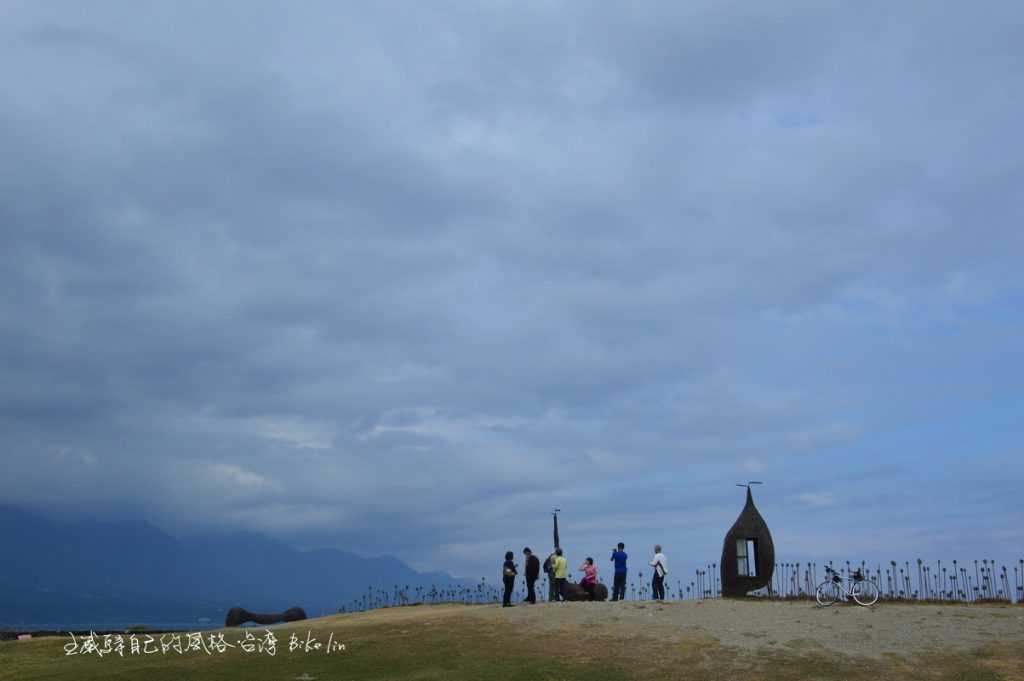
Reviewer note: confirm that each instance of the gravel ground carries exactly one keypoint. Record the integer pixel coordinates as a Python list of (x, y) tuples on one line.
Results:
[(873, 632)]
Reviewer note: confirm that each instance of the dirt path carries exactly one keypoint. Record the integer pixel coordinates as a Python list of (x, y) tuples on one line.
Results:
[(851, 629), (871, 632)]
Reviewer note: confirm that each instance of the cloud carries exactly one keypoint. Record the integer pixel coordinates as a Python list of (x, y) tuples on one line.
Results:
[(817, 499), (238, 477), (397, 281)]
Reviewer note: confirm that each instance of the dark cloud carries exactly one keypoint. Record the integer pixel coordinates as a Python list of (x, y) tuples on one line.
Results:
[(403, 279)]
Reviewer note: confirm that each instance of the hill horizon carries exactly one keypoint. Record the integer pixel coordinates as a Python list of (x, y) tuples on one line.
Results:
[(58, 571)]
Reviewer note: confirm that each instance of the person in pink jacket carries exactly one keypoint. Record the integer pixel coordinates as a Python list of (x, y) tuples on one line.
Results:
[(589, 571)]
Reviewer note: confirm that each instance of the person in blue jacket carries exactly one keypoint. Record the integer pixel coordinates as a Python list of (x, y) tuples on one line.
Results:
[(619, 585)]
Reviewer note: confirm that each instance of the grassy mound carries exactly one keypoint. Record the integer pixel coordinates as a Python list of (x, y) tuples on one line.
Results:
[(478, 642)]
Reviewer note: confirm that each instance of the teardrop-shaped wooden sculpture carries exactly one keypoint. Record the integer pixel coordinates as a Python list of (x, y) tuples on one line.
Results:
[(748, 554)]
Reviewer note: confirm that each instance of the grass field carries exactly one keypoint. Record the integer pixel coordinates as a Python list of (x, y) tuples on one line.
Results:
[(548, 642)]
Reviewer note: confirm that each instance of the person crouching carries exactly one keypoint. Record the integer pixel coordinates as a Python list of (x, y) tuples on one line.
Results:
[(589, 571)]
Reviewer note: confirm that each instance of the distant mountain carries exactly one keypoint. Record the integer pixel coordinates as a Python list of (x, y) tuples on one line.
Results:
[(62, 572)]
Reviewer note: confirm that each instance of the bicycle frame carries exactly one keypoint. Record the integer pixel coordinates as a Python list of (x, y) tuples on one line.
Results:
[(846, 586)]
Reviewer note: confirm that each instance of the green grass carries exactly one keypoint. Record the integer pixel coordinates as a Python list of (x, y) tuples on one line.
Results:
[(447, 644)]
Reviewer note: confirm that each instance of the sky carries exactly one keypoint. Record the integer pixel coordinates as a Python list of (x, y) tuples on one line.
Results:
[(402, 278)]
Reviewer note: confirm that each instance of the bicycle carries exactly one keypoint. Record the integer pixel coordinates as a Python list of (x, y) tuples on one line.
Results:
[(861, 589)]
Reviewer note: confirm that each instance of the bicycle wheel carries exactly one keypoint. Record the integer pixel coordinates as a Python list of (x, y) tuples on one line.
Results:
[(865, 593), (827, 593)]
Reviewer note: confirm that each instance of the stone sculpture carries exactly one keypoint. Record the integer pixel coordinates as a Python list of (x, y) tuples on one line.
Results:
[(575, 592), (239, 616)]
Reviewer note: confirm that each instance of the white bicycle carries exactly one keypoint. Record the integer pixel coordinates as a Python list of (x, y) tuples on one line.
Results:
[(861, 589)]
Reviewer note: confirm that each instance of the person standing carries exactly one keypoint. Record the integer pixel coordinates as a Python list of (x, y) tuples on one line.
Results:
[(532, 572), (619, 585), (561, 570), (660, 566), (508, 575)]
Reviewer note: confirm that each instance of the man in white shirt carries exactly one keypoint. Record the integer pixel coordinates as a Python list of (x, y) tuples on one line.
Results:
[(660, 566)]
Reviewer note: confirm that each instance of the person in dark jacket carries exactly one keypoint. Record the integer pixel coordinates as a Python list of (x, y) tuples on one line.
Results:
[(550, 572), (508, 575), (532, 573)]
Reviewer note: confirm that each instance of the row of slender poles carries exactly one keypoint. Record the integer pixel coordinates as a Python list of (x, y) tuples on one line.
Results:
[(978, 581)]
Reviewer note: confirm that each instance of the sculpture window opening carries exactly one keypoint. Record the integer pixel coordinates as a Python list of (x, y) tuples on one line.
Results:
[(746, 557)]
